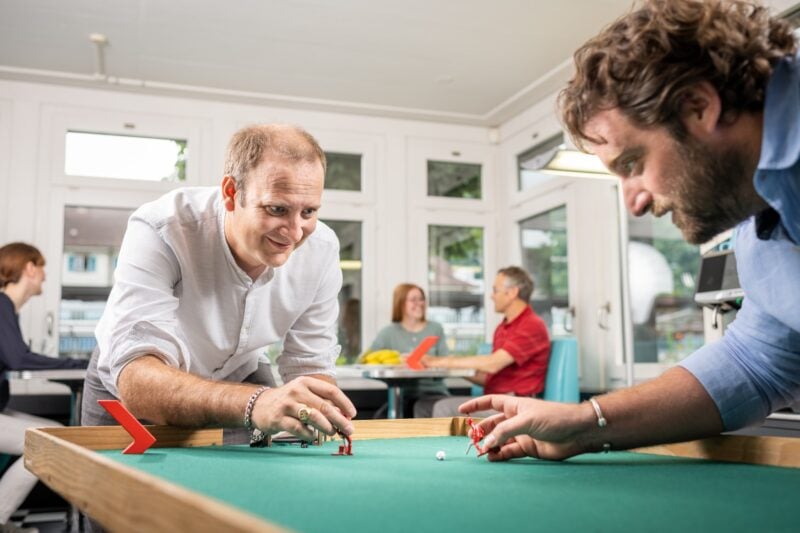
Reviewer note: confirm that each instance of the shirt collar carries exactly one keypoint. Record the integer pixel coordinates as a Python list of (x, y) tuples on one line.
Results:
[(780, 144)]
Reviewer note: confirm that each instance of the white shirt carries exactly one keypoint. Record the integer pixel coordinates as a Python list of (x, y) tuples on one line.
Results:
[(179, 294)]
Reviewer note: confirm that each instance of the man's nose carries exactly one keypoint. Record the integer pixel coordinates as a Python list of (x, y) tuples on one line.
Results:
[(294, 228), (637, 199)]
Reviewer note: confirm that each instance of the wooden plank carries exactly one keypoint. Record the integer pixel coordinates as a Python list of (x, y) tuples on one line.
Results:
[(116, 438), (773, 451), (407, 427), (123, 499)]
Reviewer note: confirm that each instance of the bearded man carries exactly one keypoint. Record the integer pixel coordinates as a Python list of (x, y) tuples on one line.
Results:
[(695, 105)]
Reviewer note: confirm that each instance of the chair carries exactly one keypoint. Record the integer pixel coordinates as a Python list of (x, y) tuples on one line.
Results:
[(561, 382), (5, 459)]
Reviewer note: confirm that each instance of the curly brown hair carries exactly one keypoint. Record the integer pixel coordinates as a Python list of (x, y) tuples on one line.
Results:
[(645, 62)]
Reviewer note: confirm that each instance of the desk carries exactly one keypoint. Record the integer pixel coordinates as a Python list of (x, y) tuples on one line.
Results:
[(71, 377), (397, 376), (395, 484)]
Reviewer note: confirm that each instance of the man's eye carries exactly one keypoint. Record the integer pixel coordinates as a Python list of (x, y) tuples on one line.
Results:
[(275, 210), (310, 212), (629, 167)]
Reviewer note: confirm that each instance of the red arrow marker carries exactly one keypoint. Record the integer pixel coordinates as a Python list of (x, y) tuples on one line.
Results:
[(142, 439), (423, 347)]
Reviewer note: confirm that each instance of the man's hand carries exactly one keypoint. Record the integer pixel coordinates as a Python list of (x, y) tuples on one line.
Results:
[(277, 409), (429, 361), (528, 427)]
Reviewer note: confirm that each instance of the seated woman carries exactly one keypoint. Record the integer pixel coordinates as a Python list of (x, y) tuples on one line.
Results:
[(406, 331), (21, 276)]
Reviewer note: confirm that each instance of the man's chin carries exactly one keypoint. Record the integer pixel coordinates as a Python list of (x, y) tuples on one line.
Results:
[(699, 234), (276, 260)]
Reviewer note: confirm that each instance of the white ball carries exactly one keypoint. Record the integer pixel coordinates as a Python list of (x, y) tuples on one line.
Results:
[(440, 455)]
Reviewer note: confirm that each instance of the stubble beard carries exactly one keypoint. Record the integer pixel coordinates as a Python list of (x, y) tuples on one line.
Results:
[(713, 191)]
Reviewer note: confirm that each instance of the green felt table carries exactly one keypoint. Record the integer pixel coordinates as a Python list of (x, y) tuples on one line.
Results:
[(397, 484)]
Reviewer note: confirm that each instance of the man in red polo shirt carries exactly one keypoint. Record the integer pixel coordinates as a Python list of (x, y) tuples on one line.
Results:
[(520, 351)]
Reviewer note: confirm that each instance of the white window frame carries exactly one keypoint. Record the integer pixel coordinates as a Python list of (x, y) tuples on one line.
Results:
[(418, 254), (369, 282), (365, 145), (420, 151), (60, 120)]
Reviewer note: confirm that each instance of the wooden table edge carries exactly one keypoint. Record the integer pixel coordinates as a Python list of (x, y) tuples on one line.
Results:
[(122, 498)]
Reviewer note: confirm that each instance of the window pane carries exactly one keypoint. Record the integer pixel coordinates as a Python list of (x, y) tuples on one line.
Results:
[(92, 237), (101, 155), (344, 171), (456, 281), (667, 324), (454, 180), (545, 257), (349, 233)]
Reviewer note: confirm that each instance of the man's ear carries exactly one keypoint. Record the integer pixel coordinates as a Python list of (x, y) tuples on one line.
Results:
[(701, 110), (228, 193)]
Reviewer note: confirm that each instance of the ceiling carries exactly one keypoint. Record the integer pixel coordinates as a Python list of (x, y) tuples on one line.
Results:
[(463, 61)]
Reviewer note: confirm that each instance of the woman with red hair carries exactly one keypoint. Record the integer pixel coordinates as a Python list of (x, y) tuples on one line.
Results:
[(21, 277)]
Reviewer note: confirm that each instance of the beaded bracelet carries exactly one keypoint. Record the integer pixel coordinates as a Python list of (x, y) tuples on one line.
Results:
[(256, 435)]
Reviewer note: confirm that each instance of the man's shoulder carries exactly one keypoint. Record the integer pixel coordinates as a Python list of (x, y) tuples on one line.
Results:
[(531, 321), (180, 206), (323, 238)]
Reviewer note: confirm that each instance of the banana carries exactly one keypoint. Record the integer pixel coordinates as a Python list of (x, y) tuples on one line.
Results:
[(382, 357)]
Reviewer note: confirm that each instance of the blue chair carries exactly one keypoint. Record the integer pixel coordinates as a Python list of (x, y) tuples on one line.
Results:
[(5, 459), (561, 382)]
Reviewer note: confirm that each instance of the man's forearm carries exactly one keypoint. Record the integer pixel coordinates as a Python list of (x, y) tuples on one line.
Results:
[(153, 391), (671, 408)]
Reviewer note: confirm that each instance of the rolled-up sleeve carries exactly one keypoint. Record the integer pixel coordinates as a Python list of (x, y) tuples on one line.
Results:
[(141, 313), (752, 371), (311, 345)]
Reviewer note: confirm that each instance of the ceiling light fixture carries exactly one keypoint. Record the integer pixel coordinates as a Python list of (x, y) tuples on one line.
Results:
[(555, 156)]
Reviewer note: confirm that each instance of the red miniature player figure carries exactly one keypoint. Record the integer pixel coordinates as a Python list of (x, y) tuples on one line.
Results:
[(347, 447), (476, 433)]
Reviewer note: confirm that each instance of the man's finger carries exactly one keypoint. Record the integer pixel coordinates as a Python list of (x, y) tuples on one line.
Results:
[(296, 428), (319, 420), (334, 394), (488, 424), (491, 401), (504, 431)]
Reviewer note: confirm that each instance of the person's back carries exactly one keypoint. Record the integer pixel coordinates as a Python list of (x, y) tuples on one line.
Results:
[(21, 277)]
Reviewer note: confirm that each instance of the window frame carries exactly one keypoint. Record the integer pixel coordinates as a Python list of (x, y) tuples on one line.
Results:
[(60, 121)]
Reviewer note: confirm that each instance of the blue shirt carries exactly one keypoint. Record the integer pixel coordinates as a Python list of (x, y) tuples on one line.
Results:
[(755, 368)]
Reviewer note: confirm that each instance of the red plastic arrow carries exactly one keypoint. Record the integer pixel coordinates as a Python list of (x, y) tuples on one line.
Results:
[(142, 439), (423, 347)]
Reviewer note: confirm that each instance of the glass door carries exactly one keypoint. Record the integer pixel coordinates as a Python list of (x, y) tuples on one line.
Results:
[(569, 241), (545, 255)]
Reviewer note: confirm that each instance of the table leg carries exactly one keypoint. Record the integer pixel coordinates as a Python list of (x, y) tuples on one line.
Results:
[(75, 414), (75, 518), (395, 406)]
